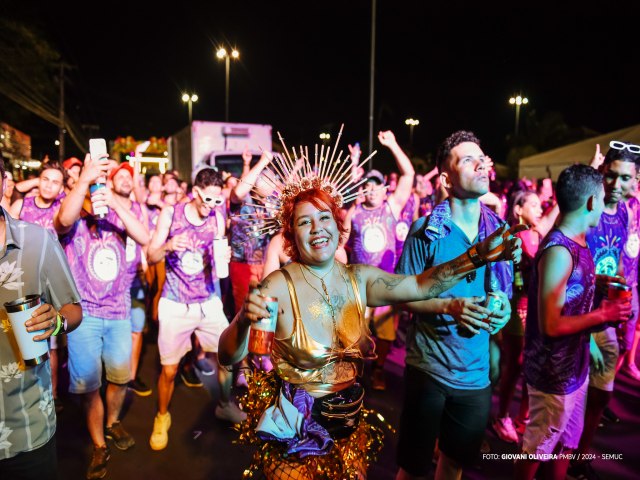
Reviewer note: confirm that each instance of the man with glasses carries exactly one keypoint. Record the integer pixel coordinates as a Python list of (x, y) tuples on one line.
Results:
[(189, 302), (607, 243)]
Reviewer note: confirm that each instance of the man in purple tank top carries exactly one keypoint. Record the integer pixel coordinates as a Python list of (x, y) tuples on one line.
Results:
[(606, 242), (372, 238), (189, 303), (559, 321), (96, 250), (43, 207)]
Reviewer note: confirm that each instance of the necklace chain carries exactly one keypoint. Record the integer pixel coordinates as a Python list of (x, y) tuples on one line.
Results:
[(326, 297)]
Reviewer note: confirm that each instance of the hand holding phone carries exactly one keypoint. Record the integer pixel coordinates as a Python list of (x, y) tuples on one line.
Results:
[(98, 150)]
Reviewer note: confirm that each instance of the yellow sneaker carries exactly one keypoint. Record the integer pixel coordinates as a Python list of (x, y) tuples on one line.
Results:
[(160, 436)]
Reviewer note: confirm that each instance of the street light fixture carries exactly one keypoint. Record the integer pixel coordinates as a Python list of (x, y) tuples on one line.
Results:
[(518, 100), (223, 54), (190, 99), (325, 137), (412, 122)]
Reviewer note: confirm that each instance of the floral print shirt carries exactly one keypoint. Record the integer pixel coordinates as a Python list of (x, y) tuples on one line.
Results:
[(31, 262)]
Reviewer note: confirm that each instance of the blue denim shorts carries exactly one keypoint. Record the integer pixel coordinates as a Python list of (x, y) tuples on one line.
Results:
[(98, 340)]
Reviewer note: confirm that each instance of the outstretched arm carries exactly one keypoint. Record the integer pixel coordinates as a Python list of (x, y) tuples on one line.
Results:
[(384, 288), (398, 199)]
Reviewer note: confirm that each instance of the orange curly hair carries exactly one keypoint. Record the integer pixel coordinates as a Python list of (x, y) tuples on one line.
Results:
[(319, 199)]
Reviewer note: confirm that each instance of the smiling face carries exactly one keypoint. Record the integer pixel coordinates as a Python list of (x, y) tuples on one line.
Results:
[(51, 184), (374, 194), (206, 199), (316, 234), (618, 180), (122, 183), (465, 174)]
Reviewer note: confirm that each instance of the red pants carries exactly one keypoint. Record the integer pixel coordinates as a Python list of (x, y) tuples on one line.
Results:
[(241, 276)]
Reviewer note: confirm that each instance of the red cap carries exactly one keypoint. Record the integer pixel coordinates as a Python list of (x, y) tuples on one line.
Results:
[(71, 162), (124, 165)]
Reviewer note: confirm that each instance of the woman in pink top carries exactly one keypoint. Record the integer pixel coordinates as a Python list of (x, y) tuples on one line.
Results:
[(525, 207)]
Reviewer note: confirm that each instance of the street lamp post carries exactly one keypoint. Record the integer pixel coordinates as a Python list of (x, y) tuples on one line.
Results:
[(222, 53), (517, 101), (412, 122), (189, 99)]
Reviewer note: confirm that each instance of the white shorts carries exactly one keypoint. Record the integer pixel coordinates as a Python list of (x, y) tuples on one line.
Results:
[(554, 419), (607, 341), (177, 321)]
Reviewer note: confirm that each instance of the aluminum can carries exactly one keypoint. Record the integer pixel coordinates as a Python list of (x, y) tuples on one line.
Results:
[(261, 333), (493, 302)]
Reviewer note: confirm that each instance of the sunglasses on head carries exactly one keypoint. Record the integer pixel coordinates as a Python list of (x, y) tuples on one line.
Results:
[(215, 201), (622, 146)]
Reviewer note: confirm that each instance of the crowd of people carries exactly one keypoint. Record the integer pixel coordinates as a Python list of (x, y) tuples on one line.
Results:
[(500, 282)]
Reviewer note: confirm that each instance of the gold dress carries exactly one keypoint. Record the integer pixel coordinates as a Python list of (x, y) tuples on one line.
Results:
[(307, 364)]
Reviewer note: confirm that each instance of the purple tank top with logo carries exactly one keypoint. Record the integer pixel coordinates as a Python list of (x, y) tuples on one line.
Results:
[(404, 224), (373, 237), (32, 213), (607, 241), (96, 250), (133, 251), (190, 273), (632, 245), (560, 365)]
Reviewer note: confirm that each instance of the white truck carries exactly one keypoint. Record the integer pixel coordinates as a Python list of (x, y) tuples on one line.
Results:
[(216, 144)]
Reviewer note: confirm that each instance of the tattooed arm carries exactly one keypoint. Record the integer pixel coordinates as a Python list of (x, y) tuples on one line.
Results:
[(384, 288)]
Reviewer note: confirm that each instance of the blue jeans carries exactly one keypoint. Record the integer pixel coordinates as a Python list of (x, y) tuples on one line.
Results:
[(99, 340)]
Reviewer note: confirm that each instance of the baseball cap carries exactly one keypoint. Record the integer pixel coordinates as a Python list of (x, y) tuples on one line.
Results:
[(124, 165), (71, 162), (375, 175)]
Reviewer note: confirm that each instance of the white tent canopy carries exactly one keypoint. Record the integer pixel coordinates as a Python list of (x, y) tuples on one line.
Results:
[(581, 152)]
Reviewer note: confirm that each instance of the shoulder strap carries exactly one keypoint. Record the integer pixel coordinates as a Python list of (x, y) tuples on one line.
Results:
[(356, 291), (294, 298)]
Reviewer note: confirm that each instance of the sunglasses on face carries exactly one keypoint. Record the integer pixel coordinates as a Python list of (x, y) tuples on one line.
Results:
[(215, 201), (622, 146)]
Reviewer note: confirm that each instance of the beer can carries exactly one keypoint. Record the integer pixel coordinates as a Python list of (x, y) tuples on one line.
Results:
[(262, 332), (493, 302)]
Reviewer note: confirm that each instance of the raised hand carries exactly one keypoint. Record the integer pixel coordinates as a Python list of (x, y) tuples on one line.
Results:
[(597, 159), (502, 244), (95, 169), (387, 138)]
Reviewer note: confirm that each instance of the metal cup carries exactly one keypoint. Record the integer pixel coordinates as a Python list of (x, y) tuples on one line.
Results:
[(19, 311), (219, 250)]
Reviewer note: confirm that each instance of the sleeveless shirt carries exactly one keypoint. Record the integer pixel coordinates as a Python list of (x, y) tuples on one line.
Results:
[(306, 363)]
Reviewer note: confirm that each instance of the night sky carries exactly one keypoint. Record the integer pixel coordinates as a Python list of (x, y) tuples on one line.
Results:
[(304, 66)]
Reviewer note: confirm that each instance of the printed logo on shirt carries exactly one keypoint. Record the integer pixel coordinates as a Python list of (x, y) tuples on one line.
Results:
[(192, 262), (632, 247), (374, 239), (104, 264), (402, 230)]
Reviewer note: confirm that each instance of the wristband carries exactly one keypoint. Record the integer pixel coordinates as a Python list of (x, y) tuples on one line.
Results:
[(475, 258), (61, 325)]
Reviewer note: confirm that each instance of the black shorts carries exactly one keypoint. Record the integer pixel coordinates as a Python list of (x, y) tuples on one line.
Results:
[(431, 411)]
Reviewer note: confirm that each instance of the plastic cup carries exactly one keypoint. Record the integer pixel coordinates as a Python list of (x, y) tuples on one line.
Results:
[(220, 246), (261, 333), (19, 311)]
